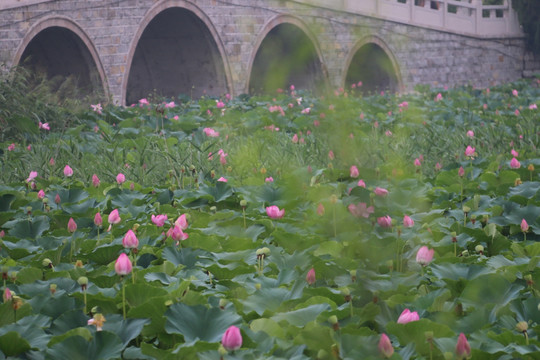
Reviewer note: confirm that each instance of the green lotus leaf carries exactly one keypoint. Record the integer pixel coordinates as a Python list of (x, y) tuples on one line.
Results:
[(104, 345), (12, 344), (199, 322), (302, 316), (138, 294), (28, 229)]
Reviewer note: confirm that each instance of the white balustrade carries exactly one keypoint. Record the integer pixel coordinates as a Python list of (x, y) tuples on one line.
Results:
[(10, 4), (467, 17)]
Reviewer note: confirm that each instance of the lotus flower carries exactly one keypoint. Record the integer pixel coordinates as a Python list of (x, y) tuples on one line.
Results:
[(182, 222), (97, 219), (385, 346), (123, 265), (222, 179), (384, 221), (177, 234), (32, 176), (380, 191), (41, 194), (72, 225), (354, 171), (130, 240), (417, 162), (515, 164), (310, 277), (470, 134), (95, 180), (320, 209), (407, 316), (461, 171), (68, 171), (469, 151), (274, 212), (232, 338), (361, 183), (524, 226), (407, 221), (463, 349), (159, 220), (424, 255), (120, 178), (210, 132), (360, 210)]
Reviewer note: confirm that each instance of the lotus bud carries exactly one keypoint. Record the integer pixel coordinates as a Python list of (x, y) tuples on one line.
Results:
[(8, 295), (522, 326)]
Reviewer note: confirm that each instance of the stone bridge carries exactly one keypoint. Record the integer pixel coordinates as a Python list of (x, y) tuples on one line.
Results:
[(131, 48)]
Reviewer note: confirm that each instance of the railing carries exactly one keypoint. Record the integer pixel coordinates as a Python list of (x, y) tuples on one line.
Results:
[(467, 17), (10, 4)]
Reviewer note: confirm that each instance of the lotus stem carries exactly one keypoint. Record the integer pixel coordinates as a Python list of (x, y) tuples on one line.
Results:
[(124, 298)]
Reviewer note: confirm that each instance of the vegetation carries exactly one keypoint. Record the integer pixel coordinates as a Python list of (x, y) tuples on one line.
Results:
[(343, 227)]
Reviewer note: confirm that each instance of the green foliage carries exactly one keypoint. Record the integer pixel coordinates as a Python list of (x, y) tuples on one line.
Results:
[(184, 294), (529, 17)]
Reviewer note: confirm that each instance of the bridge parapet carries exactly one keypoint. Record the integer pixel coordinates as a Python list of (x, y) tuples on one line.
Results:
[(467, 17)]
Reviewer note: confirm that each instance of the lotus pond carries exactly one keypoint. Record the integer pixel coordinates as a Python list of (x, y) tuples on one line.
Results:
[(337, 227)]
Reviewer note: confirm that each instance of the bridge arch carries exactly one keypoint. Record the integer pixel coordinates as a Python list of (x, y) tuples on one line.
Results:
[(197, 65), (286, 53), (60, 48), (372, 62)]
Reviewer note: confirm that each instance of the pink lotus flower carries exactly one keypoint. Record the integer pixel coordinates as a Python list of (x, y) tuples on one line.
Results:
[(515, 164), (407, 316), (320, 209), (424, 255), (269, 179), (310, 277), (306, 111), (295, 139), (417, 162), (470, 134), (388, 133), (2, 233), (95, 180), (29, 148), (97, 108), (120, 178), (514, 153), (114, 218), (361, 183), (222, 179), (123, 265), (407, 221), (360, 210), (159, 220), (98, 221), (11, 147), (274, 212), (68, 171), (177, 234), (354, 171), (461, 171), (515, 92), (210, 132), (438, 166), (44, 126), (463, 349), (533, 107), (72, 225), (232, 339), (331, 155), (438, 97), (385, 346), (41, 194), (7, 296), (469, 151), (524, 225), (220, 104), (52, 162), (57, 199), (384, 221), (170, 105), (380, 191), (32, 176), (130, 240), (182, 222)]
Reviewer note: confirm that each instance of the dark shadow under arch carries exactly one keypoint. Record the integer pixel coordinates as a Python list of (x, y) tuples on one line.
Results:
[(373, 67), (176, 54), (63, 58), (286, 57)]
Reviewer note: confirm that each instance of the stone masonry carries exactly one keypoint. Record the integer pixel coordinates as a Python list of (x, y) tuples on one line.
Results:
[(111, 30)]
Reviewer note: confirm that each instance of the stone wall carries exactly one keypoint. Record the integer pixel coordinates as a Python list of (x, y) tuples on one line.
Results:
[(112, 29)]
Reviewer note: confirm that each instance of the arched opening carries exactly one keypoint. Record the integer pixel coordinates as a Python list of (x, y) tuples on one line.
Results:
[(372, 66), (176, 54), (286, 57), (59, 55)]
